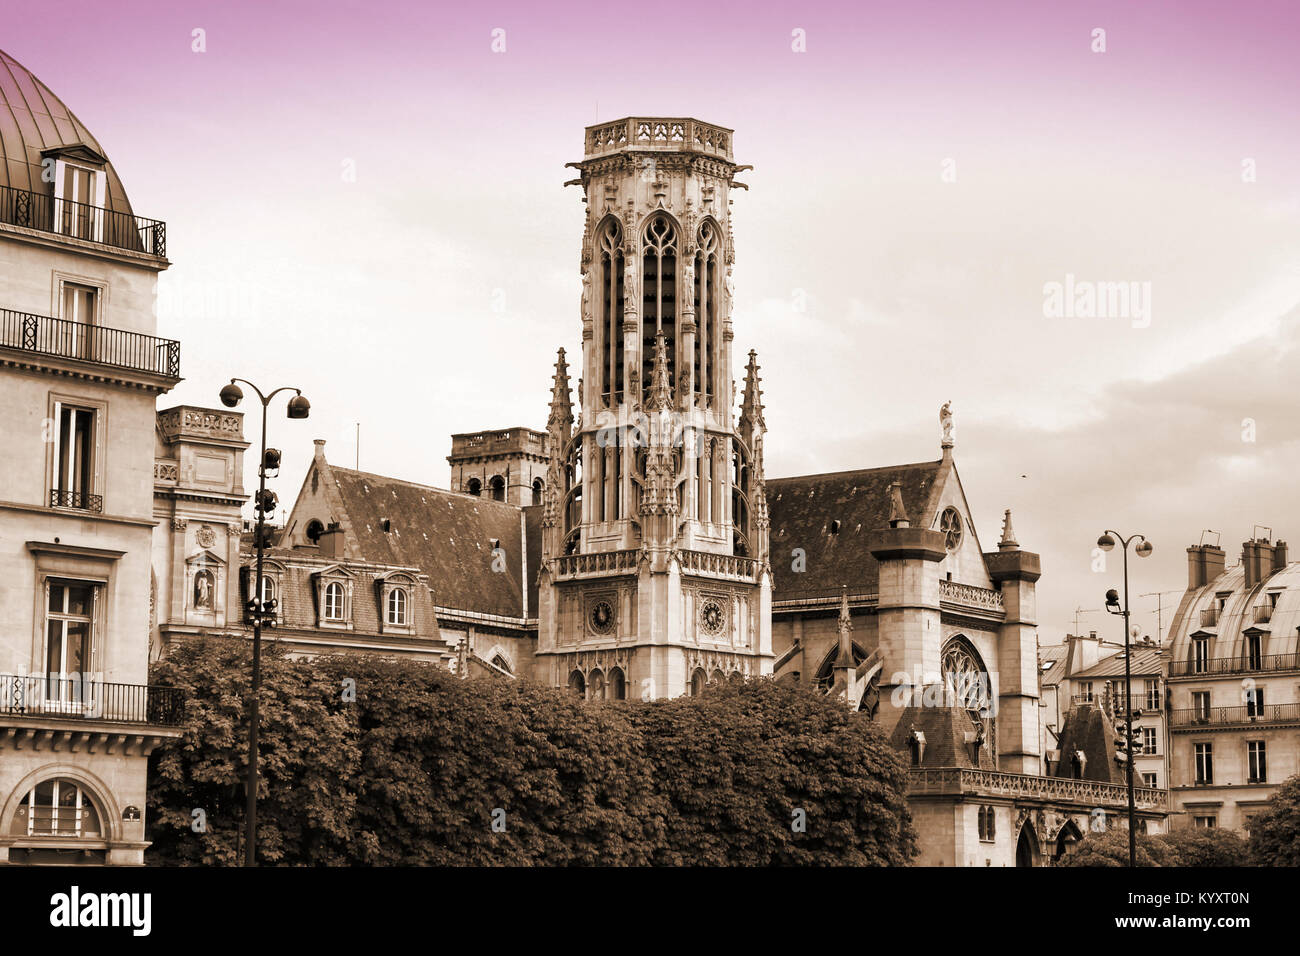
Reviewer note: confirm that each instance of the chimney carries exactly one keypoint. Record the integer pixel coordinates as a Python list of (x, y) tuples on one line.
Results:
[(1257, 559), (1279, 555), (331, 541), (1204, 564)]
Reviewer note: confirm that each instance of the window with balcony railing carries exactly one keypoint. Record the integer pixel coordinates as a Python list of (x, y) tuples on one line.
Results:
[(1209, 616), (88, 342), (1263, 613), (77, 212)]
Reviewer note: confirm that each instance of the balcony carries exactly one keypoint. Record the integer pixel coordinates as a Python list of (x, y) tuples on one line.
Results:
[(96, 344), (971, 597), (1246, 664), (37, 696), (63, 217), (78, 500), (1209, 616), (1147, 705), (1086, 793), (1235, 716)]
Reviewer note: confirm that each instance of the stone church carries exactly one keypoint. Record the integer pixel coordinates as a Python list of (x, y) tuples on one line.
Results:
[(637, 549)]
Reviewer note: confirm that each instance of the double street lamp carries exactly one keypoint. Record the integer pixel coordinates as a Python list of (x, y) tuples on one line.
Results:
[(1107, 542), (259, 606)]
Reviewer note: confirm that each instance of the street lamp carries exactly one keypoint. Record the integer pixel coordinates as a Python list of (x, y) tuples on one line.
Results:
[(258, 607), (1107, 542)]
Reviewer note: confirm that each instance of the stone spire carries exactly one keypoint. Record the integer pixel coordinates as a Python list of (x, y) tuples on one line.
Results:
[(561, 400), (897, 513), (661, 392), (1008, 542), (845, 626), (751, 400)]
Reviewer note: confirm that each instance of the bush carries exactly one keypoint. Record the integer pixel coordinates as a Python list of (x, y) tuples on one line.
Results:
[(1110, 848), (416, 767), (1275, 831), (1208, 846)]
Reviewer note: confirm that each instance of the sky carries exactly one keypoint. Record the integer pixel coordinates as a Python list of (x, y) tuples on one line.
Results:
[(365, 200)]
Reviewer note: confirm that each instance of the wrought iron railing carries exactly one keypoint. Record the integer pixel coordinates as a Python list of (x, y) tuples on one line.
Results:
[(1140, 702), (76, 499), (75, 698), (1092, 793), (1248, 714), (119, 348), (1244, 664), (36, 210)]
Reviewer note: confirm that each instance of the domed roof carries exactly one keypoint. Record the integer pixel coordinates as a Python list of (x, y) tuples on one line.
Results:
[(33, 121)]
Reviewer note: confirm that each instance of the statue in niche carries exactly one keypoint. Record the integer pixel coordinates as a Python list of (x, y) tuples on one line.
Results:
[(586, 293), (203, 587)]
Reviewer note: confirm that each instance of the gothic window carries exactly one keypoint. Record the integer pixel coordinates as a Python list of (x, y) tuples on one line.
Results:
[(608, 311), (659, 295), (987, 824), (537, 491), (617, 685), (499, 660), (950, 525), (577, 684), (474, 487), (698, 680), (498, 486), (825, 676), (966, 681), (707, 297)]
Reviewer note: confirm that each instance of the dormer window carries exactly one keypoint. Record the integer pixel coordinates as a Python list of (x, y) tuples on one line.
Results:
[(333, 603), (79, 185), (397, 607)]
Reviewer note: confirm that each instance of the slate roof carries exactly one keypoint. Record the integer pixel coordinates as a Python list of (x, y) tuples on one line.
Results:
[(446, 535), (1056, 655), (1147, 661), (1087, 729), (802, 509)]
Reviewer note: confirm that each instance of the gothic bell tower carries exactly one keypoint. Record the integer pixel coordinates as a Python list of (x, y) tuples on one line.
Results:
[(655, 577)]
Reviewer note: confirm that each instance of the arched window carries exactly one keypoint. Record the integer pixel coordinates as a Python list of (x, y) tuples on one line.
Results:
[(658, 295), (577, 684), (474, 487), (617, 684), (718, 677), (333, 610), (698, 680), (825, 676), (966, 679), (607, 311), (498, 486), (267, 592), (500, 661), (314, 530), (56, 807), (707, 314), (397, 606), (537, 491)]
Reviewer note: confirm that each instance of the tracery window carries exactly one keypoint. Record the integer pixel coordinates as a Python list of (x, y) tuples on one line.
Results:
[(608, 311), (965, 679), (659, 295), (950, 525), (707, 298)]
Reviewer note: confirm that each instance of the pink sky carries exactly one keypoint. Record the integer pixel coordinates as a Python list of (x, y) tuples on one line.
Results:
[(1124, 165)]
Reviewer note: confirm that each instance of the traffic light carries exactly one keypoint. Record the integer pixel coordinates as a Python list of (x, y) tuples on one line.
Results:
[(265, 501), (271, 460)]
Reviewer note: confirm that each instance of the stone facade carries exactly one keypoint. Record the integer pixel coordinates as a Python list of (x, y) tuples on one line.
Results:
[(80, 371)]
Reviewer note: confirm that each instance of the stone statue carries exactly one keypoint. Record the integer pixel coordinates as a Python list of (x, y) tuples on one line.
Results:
[(586, 294), (629, 282), (688, 282), (203, 590), (731, 286), (945, 419)]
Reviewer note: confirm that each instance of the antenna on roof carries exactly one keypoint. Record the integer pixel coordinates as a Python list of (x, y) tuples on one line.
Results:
[(1209, 531), (1256, 536)]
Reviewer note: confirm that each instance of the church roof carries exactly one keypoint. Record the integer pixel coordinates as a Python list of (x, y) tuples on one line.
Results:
[(447, 535), (33, 121), (802, 511)]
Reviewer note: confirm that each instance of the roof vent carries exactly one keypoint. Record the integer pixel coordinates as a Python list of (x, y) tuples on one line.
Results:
[(385, 525), (835, 526)]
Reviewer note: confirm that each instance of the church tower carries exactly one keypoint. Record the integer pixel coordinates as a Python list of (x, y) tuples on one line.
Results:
[(655, 568)]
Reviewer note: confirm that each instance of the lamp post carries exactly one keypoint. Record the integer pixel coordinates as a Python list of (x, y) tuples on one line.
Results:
[(264, 504), (1106, 542)]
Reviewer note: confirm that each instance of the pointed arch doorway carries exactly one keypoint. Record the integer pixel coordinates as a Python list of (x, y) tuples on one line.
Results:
[(1027, 846)]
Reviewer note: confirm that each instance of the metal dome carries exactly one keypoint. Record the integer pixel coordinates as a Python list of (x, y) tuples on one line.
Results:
[(33, 121)]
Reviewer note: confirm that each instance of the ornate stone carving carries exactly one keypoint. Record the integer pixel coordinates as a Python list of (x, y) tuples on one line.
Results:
[(179, 524), (206, 537)]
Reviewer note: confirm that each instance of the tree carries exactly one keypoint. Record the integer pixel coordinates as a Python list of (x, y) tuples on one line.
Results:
[(372, 762), (1110, 849), (1208, 846), (1275, 831)]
